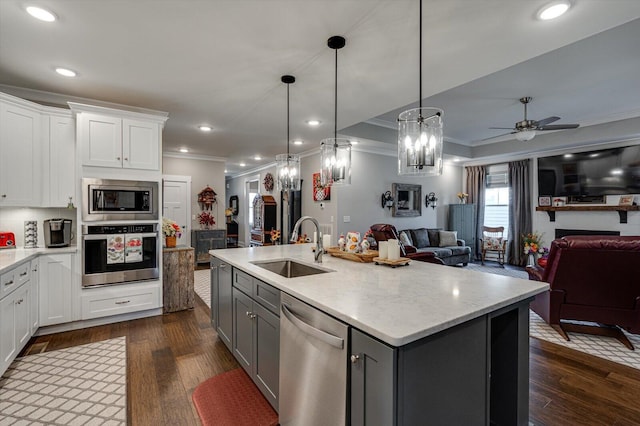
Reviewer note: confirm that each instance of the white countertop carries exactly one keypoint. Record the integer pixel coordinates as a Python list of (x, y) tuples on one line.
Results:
[(396, 305), (14, 256)]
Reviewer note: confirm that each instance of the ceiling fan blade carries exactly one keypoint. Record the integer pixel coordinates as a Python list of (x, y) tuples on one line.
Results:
[(559, 127), (502, 128), (545, 121), (497, 136)]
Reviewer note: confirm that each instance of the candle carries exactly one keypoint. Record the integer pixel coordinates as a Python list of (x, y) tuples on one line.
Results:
[(382, 249), (393, 249), (326, 241)]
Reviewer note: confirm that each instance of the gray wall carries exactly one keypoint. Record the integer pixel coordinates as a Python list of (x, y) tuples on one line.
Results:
[(203, 173)]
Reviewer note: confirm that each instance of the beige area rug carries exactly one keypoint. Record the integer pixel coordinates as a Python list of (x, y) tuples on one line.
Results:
[(82, 385), (603, 347)]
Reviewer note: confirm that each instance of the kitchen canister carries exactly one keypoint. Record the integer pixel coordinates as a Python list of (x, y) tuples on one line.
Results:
[(393, 249), (353, 242), (30, 234), (382, 249)]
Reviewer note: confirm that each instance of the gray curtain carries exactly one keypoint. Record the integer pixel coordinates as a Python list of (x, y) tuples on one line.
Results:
[(476, 184), (520, 221)]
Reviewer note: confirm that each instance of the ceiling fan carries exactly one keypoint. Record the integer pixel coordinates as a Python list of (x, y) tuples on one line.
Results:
[(525, 130)]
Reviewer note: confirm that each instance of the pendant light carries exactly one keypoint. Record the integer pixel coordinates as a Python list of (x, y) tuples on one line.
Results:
[(420, 135), (288, 165), (335, 154)]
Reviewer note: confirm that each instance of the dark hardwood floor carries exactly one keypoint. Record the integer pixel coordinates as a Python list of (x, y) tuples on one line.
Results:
[(169, 355)]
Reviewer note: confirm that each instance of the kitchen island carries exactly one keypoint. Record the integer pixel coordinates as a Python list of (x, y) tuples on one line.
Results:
[(457, 340)]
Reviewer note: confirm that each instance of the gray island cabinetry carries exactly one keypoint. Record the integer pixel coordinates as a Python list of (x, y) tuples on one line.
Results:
[(427, 344)]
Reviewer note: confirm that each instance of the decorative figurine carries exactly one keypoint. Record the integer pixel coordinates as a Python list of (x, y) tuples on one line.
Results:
[(341, 242)]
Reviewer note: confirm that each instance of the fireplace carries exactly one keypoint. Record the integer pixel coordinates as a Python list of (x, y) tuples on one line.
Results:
[(564, 232)]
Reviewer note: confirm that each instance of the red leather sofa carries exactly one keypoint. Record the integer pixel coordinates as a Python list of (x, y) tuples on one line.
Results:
[(594, 279)]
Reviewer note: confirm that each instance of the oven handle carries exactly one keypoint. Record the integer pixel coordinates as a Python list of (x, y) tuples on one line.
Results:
[(104, 236)]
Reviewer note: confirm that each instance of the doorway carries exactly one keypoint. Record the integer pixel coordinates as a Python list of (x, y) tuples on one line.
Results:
[(176, 204), (252, 189)]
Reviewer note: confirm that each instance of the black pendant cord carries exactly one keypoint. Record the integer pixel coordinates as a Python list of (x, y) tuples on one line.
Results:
[(335, 105), (420, 61), (288, 139)]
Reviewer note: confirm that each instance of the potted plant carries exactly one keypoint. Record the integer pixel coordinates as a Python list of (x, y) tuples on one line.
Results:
[(171, 232)]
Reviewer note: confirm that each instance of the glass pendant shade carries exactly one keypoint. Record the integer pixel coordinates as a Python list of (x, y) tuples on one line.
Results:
[(288, 172), (420, 142), (335, 160), (525, 135)]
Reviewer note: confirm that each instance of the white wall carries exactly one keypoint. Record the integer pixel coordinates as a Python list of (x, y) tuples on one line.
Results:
[(203, 172)]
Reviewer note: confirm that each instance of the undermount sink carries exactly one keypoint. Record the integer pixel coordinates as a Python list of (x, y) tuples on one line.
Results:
[(289, 268)]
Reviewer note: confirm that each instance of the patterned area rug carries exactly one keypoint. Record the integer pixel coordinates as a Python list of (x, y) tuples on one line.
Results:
[(603, 347), (82, 385)]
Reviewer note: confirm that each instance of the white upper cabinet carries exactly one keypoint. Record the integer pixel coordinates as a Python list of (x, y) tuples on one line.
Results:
[(62, 161), (119, 139), (20, 154)]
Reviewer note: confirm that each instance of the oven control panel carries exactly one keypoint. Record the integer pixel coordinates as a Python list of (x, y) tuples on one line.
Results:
[(119, 229)]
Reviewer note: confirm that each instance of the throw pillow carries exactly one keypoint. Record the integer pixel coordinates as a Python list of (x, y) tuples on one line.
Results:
[(420, 238), (405, 238), (492, 243), (448, 238), (434, 237)]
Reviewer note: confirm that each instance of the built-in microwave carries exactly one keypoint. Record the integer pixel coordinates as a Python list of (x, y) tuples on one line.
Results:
[(117, 200)]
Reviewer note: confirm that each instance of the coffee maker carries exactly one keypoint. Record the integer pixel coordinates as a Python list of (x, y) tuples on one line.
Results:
[(57, 232)]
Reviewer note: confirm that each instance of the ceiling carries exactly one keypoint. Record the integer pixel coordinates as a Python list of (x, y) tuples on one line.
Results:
[(219, 62)]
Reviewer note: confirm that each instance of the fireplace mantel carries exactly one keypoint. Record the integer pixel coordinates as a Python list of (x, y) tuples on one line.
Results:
[(622, 210)]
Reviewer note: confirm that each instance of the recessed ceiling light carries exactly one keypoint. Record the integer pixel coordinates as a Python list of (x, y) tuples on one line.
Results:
[(354, 142), (66, 72), (297, 142), (184, 150), (616, 172), (313, 122), (205, 128), (41, 14), (594, 155), (553, 10), (568, 156), (455, 160), (242, 164), (257, 158), (226, 171)]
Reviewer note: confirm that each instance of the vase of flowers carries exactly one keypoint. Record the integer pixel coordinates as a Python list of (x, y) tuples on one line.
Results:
[(171, 232), (206, 220), (462, 197), (533, 246)]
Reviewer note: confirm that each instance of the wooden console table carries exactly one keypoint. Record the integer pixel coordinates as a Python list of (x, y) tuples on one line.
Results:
[(622, 210), (177, 279)]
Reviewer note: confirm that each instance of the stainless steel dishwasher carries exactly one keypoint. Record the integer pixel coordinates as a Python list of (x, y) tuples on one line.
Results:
[(313, 366)]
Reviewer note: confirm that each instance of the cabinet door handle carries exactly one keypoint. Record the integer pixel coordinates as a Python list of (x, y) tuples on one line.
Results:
[(126, 159), (19, 302), (4, 195), (24, 273), (223, 265), (253, 316), (214, 267), (355, 359), (123, 302), (9, 282), (118, 158)]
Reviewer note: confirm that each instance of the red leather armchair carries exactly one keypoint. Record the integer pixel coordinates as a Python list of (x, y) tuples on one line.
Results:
[(591, 278), (384, 232)]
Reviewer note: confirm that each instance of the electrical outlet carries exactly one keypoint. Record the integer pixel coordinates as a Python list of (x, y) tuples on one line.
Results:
[(346, 219)]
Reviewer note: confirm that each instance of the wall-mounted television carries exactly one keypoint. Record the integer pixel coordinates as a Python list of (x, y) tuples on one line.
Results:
[(612, 171)]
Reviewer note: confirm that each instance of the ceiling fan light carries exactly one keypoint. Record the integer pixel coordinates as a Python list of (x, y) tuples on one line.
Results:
[(553, 10), (525, 135)]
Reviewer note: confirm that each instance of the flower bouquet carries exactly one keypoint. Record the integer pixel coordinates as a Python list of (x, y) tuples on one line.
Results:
[(533, 243), (170, 228), (206, 219), (275, 235)]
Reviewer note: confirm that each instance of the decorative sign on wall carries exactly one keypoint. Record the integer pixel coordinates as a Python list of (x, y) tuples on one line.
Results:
[(320, 193), (268, 182)]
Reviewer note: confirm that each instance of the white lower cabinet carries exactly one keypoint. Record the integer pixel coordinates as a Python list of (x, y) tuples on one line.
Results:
[(56, 284), (35, 294), (15, 324), (120, 299)]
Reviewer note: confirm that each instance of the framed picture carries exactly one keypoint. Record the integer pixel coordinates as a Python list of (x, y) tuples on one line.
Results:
[(626, 200), (559, 201), (320, 193), (544, 201)]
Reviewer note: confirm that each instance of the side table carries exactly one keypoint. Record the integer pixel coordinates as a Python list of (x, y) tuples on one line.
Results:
[(177, 278)]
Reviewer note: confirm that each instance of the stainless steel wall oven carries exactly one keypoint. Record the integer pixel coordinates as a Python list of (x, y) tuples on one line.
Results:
[(117, 254)]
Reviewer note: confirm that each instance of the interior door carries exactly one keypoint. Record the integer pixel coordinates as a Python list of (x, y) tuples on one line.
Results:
[(176, 204)]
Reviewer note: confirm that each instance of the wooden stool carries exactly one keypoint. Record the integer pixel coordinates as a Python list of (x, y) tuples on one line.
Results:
[(232, 399)]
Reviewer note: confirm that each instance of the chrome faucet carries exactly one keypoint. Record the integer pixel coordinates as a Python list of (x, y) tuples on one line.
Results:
[(319, 248)]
